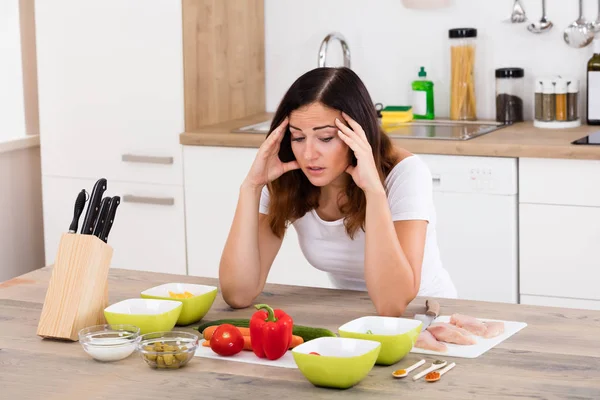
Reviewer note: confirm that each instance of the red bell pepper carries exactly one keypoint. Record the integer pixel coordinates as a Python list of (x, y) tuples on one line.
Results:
[(270, 332)]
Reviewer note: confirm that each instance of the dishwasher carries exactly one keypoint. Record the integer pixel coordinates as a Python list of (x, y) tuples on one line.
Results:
[(476, 201)]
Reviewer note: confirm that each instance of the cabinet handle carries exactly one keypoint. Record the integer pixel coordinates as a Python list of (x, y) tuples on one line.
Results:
[(436, 180), (161, 201), (146, 159)]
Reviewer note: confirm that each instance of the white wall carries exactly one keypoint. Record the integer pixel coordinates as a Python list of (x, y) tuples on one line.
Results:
[(388, 44), (12, 108), (22, 230)]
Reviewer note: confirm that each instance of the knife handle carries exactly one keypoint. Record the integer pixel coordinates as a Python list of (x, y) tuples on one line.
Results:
[(93, 208), (110, 218), (79, 206), (102, 216), (433, 308)]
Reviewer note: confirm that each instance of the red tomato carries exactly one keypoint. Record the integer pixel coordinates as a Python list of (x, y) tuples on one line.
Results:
[(227, 340)]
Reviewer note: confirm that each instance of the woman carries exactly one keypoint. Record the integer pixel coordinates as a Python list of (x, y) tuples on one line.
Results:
[(362, 209)]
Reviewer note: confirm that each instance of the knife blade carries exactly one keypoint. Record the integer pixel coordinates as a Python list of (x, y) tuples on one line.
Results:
[(110, 218), (93, 208), (101, 220), (432, 311), (79, 206)]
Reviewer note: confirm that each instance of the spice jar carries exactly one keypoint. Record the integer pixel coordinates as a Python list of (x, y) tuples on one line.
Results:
[(539, 88), (548, 100), (560, 94), (510, 89), (462, 74), (573, 100)]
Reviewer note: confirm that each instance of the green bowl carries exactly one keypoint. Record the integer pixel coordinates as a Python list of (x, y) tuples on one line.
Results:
[(149, 315), (341, 363), (396, 335), (194, 308)]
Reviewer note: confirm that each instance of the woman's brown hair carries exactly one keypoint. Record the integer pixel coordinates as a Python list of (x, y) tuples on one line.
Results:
[(292, 195)]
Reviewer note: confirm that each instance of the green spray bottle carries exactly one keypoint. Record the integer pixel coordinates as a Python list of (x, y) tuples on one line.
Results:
[(422, 97)]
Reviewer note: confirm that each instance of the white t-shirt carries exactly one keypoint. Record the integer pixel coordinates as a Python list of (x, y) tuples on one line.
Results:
[(328, 248)]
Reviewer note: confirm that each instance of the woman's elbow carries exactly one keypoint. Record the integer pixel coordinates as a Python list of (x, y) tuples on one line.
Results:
[(236, 300), (394, 308)]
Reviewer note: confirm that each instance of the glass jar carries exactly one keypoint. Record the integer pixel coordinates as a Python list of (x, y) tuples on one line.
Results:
[(548, 101), (539, 110), (560, 99), (463, 104), (573, 100), (510, 90)]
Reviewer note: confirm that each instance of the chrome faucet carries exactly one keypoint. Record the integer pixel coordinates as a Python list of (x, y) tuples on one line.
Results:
[(325, 43)]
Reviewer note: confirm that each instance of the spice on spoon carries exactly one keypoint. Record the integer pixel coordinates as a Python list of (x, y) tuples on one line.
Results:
[(432, 375)]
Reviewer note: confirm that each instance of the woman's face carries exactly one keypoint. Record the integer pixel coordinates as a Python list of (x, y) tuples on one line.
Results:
[(321, 154)]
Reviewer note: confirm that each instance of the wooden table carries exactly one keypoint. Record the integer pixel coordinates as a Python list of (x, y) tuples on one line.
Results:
[(556, 356)]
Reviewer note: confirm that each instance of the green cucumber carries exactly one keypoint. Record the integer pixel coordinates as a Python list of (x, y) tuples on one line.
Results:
[(306, 332)]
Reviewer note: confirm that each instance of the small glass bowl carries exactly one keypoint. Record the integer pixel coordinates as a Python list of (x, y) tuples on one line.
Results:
[(167, 350), (109, 342)]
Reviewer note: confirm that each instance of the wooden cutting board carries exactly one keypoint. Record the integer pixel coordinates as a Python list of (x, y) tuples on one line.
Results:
[(482, 345)]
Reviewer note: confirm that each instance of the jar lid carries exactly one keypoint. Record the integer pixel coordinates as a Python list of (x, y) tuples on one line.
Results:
[(573, 86), (561, 86), (510, 72), (462, 33), (539, 86), (548, 85)]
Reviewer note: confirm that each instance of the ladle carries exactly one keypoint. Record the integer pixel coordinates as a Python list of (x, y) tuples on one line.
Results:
[(580, 33), (544, 25), (596, 24)]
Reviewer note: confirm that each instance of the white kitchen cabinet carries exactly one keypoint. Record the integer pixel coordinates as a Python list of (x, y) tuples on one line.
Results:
[(111, 101), (149, 227), (559, 232), (559, 251), (213, 176)]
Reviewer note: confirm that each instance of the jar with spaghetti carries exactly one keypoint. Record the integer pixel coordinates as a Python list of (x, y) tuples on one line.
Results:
[(463, 104)]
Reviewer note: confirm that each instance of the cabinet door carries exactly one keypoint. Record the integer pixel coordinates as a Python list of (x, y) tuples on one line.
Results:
[(110, 77), (559, 251), (213, 176), (148, 232)]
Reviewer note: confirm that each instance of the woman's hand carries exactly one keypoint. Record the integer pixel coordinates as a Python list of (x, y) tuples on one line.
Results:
[(365, 173), (267, 166)]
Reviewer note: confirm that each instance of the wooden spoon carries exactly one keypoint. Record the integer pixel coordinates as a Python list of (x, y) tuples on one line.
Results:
[(401, 373), (440, 373)]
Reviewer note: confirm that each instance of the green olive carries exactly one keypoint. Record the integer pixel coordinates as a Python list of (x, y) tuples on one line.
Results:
[(168, 358), (181, 356), (151, 357)]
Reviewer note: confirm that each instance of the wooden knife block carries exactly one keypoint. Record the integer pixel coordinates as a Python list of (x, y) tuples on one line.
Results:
[(78, 291)]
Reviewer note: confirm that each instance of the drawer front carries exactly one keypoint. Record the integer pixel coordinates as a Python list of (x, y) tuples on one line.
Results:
[(111, 100), (148, 232), (559, 181), (559, 251), (548, 301)]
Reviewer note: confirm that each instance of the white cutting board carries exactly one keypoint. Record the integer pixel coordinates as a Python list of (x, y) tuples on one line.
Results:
[(482, 345), (286, 361)]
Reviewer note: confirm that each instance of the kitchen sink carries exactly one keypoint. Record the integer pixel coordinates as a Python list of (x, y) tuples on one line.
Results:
[(261, 127), (416, 129)]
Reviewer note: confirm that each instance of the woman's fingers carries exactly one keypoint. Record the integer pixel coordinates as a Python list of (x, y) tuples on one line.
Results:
[(351, 142), (350, 133), (355, 126)]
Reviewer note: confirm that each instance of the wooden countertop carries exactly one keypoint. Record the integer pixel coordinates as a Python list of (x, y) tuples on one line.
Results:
[(519, 140), (556, 356)]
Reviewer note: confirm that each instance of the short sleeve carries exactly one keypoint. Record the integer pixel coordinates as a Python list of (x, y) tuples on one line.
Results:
[(263, 207), (410, 190)]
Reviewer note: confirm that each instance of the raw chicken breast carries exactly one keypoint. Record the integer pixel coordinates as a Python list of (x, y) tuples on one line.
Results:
[(494, 329), (449, 333), (428, 342), (471, 324), (479, 328)]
